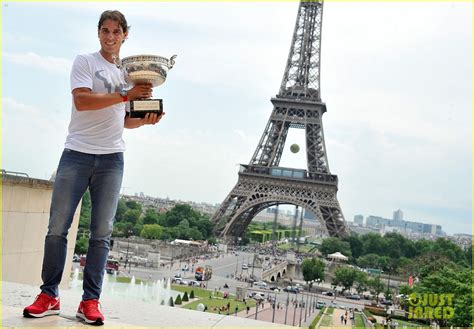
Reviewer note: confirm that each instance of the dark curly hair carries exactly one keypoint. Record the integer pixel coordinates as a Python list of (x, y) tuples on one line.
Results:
[(116, 16)]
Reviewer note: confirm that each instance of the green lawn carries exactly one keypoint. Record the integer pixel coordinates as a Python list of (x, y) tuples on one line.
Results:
[(330, 310), (198, 292), (211, 300), (326, 321), (316, 319), (359, 321)]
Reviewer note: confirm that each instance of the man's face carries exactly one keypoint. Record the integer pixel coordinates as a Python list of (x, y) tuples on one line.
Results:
[(111, 37)]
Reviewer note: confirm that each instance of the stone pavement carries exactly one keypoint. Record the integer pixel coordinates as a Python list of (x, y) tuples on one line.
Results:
[(118, 312), (336, 318)]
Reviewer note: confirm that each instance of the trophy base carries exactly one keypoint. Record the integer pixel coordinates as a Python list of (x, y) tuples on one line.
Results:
[(139, 108)]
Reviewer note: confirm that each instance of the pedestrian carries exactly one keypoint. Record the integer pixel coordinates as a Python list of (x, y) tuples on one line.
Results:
[(236, 309), (342, 318), (92, 159), (345, 320), (248, 309)]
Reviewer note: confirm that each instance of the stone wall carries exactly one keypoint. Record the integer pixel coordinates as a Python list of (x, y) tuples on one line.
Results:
[(25, 215)]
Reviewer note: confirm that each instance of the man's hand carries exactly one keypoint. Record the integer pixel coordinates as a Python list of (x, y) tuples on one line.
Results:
[(140, 91), (149, 119)]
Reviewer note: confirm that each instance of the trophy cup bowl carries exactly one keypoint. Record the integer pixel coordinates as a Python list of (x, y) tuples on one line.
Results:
[(150, 69)]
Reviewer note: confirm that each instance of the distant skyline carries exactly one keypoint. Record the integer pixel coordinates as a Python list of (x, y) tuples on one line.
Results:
[(396, 78)]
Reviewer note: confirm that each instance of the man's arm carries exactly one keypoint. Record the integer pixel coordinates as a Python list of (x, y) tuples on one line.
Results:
[(86, 100), (149, 119)]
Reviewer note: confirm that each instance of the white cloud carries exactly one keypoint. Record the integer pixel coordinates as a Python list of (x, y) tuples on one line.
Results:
[(33, 60)]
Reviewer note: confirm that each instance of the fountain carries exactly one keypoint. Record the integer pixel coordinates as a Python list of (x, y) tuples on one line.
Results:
[(158, 291), (75, 279)]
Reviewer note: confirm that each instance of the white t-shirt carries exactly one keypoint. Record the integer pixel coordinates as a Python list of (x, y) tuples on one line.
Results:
[(97, 131)]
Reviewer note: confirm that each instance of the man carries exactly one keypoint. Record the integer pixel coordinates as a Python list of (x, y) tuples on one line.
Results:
[(92, 158)]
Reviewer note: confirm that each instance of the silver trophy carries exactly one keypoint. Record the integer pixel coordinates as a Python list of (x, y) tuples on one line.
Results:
[(145, 69)]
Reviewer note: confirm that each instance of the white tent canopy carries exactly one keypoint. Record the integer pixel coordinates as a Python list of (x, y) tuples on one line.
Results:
[(337, 256)]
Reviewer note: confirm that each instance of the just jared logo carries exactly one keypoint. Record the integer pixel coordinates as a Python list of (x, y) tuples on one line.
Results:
[(430, 306)]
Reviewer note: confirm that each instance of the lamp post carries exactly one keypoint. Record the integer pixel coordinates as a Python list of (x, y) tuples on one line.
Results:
[(274, 307), (318, 282), (129, 232)]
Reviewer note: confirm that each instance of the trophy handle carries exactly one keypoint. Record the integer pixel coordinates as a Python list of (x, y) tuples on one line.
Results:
[(117, 61), (172, 61)]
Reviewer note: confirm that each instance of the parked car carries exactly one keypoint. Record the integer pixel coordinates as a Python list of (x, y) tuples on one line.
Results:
[(320, 305), (260, 284), (256, 295), (276, 289), (292, 289), (176, 280), (194, 283), (327, 293), (245, 266), (355, 296)]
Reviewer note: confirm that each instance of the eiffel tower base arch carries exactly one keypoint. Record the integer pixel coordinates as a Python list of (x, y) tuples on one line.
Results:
[(254, 193)]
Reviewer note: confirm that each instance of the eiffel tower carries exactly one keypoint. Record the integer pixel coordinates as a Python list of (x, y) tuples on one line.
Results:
[(262, 183)]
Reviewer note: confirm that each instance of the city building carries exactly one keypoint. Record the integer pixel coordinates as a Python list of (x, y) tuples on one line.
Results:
[(359, 219)]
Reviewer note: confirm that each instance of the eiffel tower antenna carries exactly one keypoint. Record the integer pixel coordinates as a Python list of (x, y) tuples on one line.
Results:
[(263, 183)]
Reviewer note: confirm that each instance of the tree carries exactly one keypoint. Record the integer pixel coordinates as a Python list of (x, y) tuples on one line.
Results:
[(151, 231), (356, 245), (212, 241), (332, 245), (194, 234), (151, 217), (361, 281), (134, 205), (345, 277), (368, 261), (171, 302), (205, 226), (312, 269), (374, 243), (178, 300), (375, 285), (179, 212), (191, 295), (121, 229), (82, 244), (121, 209), (185, 297), (132, 215)]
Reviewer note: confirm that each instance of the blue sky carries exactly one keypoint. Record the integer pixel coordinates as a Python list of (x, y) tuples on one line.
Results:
[(396, 79)]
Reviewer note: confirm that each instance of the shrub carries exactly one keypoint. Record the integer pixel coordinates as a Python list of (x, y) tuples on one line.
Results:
[(375, 310), (178, 300), (185, 297), (171, 303), (191, 295)]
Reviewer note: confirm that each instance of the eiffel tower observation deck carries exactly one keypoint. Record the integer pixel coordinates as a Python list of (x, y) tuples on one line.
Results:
[(263, 183)]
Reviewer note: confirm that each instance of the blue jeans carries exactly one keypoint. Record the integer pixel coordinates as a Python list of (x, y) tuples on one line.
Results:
[(77, 171)]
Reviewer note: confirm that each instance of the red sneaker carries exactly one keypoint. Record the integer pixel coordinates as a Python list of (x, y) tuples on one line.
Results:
[(89, 311), (42, 306)]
